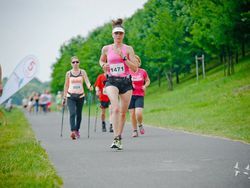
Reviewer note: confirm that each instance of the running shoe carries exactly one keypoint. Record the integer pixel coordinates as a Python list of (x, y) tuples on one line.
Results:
[(119, 145), (73, 135), (135, 133), (142, 131), (113, 145), (77, 133), (116, 144), (104, 127), (111, 128)]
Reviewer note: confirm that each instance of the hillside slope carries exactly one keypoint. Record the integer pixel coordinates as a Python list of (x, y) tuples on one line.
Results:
[(216, 105)]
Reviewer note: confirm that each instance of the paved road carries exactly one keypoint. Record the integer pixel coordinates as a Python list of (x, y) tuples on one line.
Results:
[(159, 159)]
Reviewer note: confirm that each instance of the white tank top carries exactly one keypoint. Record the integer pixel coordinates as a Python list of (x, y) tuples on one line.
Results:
[(75, 83)]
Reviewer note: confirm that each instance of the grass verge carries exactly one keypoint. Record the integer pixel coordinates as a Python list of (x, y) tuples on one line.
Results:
[(23, 162)]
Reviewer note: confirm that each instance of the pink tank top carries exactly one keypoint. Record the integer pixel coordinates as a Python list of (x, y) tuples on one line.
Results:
[(138, 80), (117, 66)]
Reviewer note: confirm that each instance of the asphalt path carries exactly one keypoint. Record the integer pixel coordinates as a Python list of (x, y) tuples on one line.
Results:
[(161, 158)]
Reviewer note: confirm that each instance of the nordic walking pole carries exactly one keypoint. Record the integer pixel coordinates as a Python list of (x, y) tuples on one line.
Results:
[(89, 101), (96, 112), (62, 117)]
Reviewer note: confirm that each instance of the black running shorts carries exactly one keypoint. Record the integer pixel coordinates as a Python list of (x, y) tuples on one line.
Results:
[(136, 102), (123, 84), (104, 104)]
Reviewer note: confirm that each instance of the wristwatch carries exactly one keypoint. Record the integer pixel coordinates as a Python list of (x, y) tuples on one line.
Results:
[(124, 58)]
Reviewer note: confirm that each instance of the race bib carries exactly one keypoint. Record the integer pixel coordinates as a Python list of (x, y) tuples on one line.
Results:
[(77, 86), (116, 69)]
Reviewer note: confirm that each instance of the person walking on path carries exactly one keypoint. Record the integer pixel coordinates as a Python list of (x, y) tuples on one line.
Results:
[(31, 103), (140, 81), (43, 100), (49, 102), (104, 100), (74, 95), (117, 59), (36, 102)]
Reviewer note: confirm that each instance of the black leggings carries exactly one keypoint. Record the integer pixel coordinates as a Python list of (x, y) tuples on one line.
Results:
[(75, 110)]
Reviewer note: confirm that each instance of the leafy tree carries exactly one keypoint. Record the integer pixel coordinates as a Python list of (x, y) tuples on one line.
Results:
[(167, 34)]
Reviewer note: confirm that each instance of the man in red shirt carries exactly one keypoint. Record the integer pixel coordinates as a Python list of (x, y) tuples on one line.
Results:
[(104, 100)]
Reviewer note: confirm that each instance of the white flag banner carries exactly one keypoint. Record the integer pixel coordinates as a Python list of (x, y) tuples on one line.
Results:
[(23, 74)]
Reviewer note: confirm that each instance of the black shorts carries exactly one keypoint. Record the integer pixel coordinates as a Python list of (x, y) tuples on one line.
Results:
[(104, 104), (136, 102), (123, 84)]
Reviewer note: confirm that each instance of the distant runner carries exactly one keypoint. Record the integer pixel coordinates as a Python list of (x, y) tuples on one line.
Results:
[(43, 100), (140, 82), (104, 100)]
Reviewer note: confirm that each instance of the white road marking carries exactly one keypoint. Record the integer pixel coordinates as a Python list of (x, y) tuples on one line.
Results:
[(237, 172), (236, 165), (248, 167)]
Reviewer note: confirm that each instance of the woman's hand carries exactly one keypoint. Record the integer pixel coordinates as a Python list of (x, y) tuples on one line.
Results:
[(91, 88), (105, 66), (64, 101)]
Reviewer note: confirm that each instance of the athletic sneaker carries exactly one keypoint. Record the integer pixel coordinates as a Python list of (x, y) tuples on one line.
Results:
[(104, 127), (116, 144), (111, 128), (77, 133), (142, 131), (135, 133), (113, 145), (119, 145), (73, 135)]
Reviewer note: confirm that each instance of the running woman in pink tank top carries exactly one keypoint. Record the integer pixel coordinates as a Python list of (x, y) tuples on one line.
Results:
[(117, 59), (140, 82)]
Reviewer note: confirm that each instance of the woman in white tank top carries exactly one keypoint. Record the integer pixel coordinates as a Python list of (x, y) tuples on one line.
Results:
[(74, 93)]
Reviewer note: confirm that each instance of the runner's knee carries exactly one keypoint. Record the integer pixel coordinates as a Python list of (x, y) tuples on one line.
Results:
[(115, 110), (123, 114)]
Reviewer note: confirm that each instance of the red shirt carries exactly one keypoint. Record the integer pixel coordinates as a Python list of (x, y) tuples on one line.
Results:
[(99, 83), (138, 80)]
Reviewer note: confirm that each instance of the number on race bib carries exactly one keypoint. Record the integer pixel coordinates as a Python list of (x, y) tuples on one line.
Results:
[(76, 87), (116, 69)]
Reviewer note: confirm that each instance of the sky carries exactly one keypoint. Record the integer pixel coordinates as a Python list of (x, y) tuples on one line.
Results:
[(40, 27)]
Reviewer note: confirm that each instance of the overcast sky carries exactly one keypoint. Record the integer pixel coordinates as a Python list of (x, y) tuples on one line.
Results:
[(40, 27)]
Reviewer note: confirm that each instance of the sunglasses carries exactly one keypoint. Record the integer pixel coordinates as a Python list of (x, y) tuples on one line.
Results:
[(118, 33), (73, 62)]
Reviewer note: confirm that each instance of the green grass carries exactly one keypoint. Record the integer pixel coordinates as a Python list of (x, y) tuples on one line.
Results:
[(23, 162), (216, 105)]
